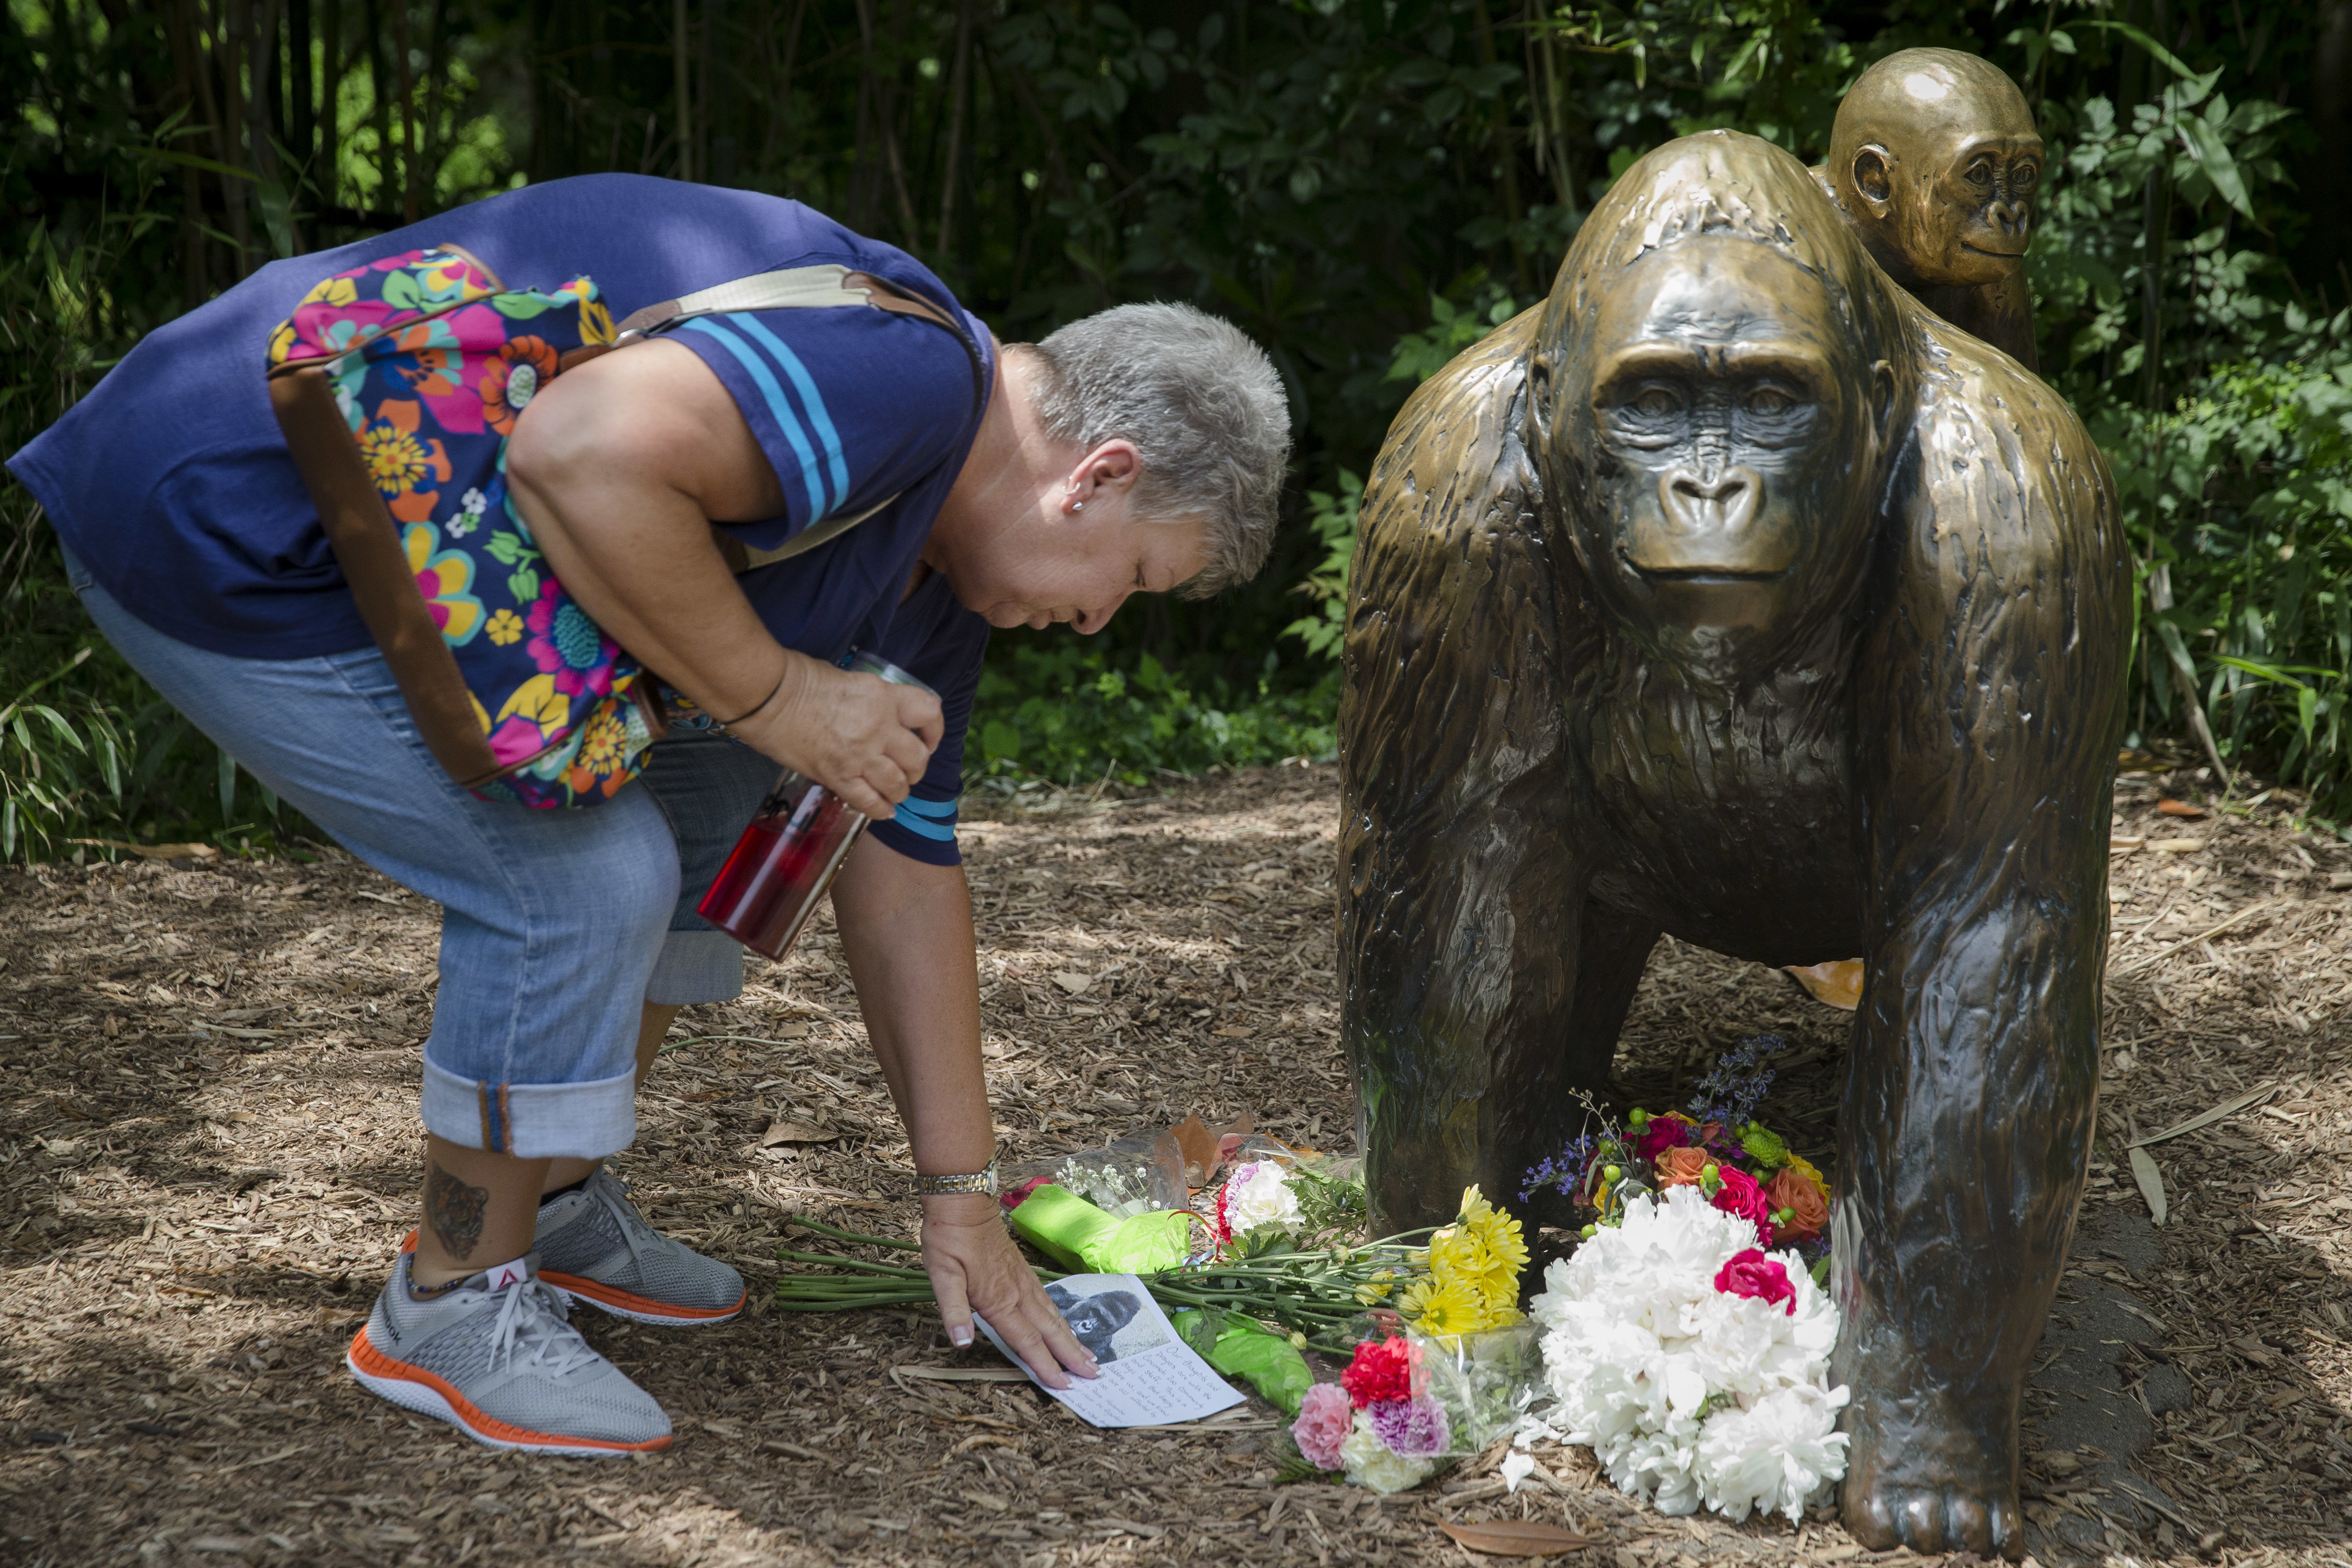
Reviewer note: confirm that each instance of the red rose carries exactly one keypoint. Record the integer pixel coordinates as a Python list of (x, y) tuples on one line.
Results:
[(1757, 1278), (1379, 1371), (1670, 1131), (1739, 1194)]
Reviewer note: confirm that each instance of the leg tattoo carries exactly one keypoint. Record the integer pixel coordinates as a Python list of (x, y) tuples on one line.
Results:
[(454, 1210)]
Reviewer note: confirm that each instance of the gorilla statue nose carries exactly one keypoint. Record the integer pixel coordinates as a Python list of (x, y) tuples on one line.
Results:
[(2010, 218), (1723, 504)]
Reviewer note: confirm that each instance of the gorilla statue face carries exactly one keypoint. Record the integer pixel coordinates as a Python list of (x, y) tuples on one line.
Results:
[(1732, 437), (1935, 156)]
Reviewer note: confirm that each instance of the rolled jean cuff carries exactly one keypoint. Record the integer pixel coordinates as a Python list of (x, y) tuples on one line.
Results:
[(697, 966), (533, 1121)]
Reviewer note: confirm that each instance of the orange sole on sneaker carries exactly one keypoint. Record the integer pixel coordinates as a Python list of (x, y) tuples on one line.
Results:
[(414, 1388), (640, 1309), (622, 1304)]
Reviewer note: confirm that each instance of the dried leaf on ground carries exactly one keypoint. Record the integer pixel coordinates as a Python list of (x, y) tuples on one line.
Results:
[(1839, 985), (1517, 1537)]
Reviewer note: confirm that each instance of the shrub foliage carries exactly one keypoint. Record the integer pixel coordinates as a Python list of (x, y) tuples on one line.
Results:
[(1365, 185)]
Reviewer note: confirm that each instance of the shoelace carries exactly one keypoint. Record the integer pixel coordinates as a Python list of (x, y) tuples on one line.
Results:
[(607, 1190), (531, 1319)]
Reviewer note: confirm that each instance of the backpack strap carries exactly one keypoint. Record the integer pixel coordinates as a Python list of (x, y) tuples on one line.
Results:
[(742, 557)]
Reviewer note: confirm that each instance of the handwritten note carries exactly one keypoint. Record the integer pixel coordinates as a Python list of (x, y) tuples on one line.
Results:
[(1149, 1376)]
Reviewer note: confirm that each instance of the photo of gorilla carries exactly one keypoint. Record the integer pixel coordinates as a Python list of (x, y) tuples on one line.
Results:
[(1098, 1320), (1731, 594)]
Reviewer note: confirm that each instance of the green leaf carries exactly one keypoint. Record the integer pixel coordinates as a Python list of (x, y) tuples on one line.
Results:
[(2163, 56), (400, 291), (523, 585), (276, 216), (505, 549), (2205, 145), (227, 785), (190, 160)]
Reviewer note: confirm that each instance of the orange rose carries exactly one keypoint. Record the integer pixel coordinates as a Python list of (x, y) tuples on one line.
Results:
[(1808, 1210), (1681, 1167)]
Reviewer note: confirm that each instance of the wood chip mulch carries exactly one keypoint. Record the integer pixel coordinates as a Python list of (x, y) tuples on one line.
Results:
[(207, 1155)]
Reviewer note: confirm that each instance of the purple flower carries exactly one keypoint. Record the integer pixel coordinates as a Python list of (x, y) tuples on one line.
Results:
[(1413, 1429)]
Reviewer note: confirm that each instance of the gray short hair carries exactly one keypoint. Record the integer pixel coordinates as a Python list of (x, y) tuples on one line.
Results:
[(1203, 407)]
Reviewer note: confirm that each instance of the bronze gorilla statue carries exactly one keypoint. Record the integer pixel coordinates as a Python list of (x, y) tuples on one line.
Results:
[(1934, 163), (1732, 594)]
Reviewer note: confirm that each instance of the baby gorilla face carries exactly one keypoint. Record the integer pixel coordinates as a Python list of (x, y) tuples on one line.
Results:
[(1732, 446), (1960, 203)]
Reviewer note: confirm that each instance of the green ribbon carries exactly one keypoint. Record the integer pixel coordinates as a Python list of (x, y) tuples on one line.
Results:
[(1084, 1239)]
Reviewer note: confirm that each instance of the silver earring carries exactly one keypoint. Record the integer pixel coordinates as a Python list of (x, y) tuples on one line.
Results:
[(1077, 506)]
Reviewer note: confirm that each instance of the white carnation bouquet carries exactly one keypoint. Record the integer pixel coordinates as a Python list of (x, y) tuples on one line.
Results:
[(1694, 1363)]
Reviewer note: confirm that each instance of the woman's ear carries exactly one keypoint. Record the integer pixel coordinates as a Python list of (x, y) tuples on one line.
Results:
[(1109, 471)]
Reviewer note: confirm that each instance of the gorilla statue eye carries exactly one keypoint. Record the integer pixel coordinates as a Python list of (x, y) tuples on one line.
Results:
[(1768, 401), (2024, 175), (1654, 402), (1979, 172)]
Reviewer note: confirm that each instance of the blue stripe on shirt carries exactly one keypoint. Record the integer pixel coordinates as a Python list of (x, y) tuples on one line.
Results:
[(932, 819), (778, 408), (810, 399)]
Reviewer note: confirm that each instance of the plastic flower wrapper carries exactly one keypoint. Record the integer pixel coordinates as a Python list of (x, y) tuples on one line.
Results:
[(1484, 1380), (1085, 1239), (1140, 1174), (1694, 1363), (1243, 1348)]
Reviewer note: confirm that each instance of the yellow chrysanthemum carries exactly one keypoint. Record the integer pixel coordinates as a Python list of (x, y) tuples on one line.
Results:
[(1444, 1307), (1455, 1255), (1496, 1231), (1377, 1289)]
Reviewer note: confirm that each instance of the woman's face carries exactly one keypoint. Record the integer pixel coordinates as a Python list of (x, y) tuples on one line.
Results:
[(1054, 565)]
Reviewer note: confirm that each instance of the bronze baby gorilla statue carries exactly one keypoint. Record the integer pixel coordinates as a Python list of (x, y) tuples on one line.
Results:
[(1732, 594), (1934, 163)]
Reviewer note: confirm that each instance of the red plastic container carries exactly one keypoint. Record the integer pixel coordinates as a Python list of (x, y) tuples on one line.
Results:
[(786, 859)]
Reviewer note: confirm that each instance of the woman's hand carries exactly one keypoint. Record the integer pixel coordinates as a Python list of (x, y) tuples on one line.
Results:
[(866, 738), (975, 1267)]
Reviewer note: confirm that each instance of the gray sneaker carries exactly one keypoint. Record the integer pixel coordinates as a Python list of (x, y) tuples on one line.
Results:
[(594, 1246), (500, 1360)]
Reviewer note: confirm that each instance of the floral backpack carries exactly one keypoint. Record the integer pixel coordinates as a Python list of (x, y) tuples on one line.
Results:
[(396, 385)]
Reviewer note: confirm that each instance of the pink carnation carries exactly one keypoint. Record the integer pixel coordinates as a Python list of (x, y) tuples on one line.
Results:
[(1325, 1415), (1741, 1195)]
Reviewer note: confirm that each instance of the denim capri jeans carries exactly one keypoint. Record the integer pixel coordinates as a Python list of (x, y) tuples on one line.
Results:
[(555, 926)]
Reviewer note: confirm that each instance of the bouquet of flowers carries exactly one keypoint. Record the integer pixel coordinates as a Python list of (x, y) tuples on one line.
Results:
[(1690, 1356), (1694, 1363), (1719, 1147), (1378, 1423), (1452, 1381)]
